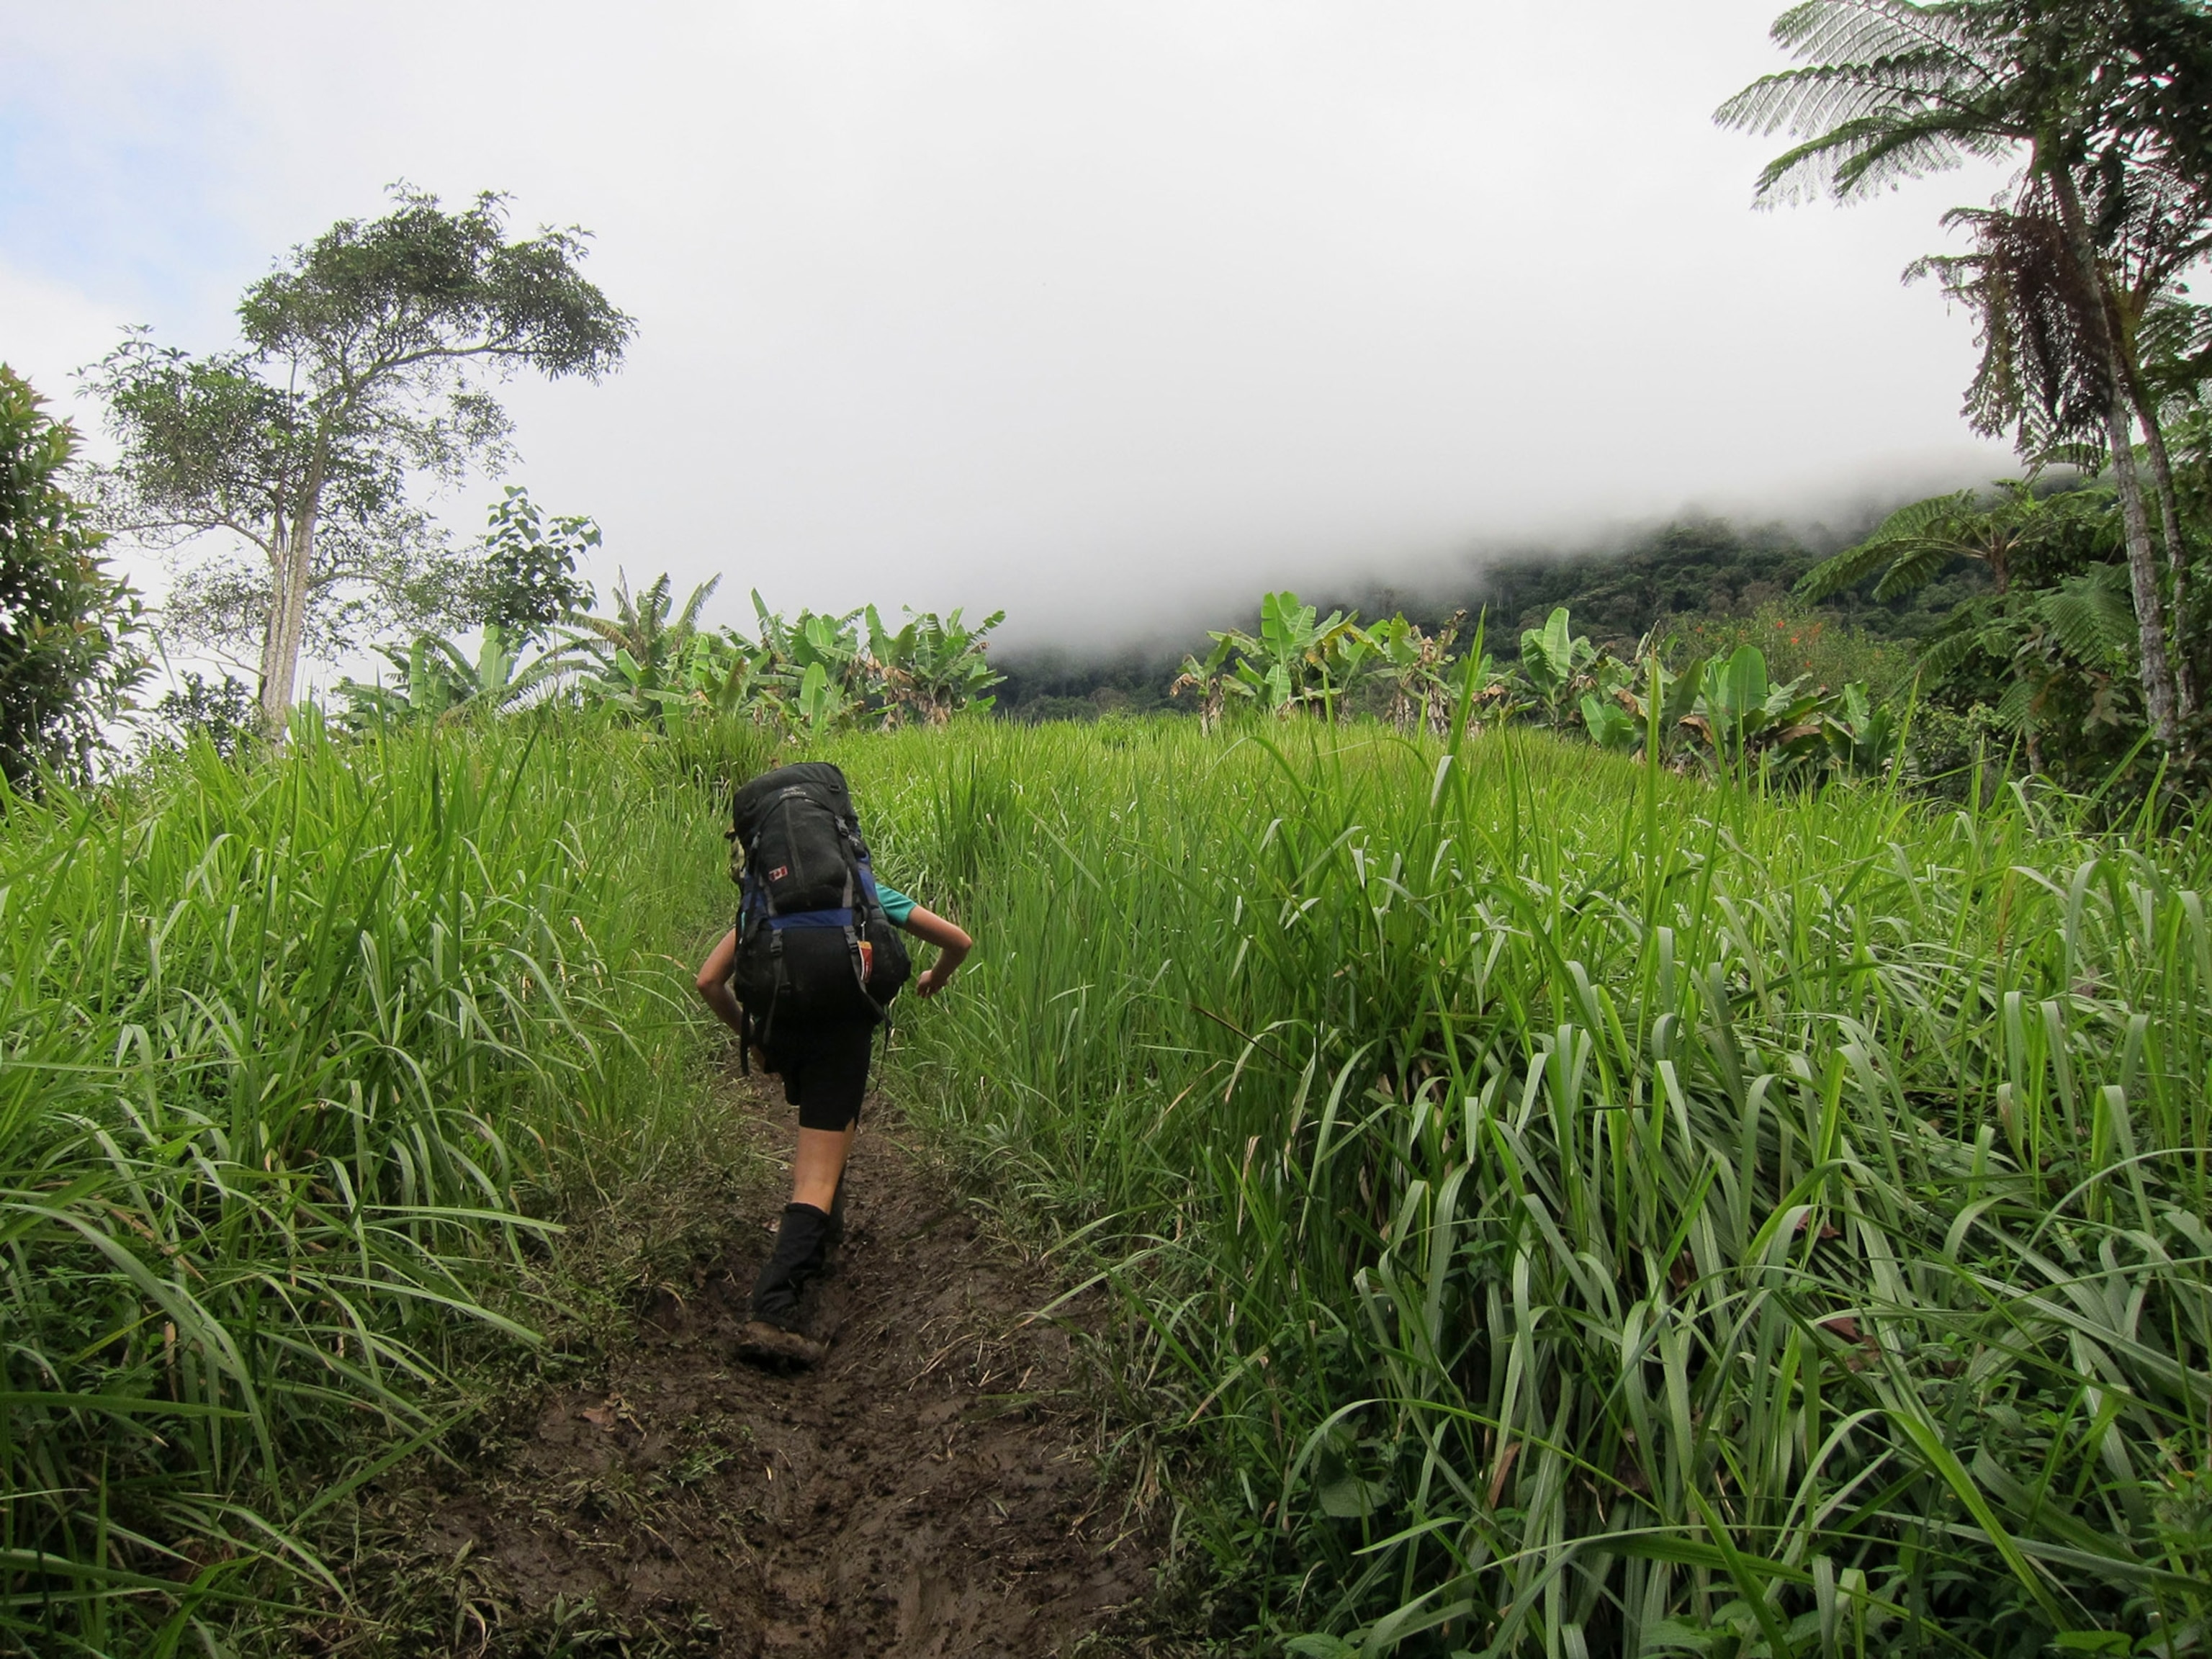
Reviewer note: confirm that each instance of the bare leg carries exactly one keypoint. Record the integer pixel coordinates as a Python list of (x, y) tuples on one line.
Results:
[(821, 1161)]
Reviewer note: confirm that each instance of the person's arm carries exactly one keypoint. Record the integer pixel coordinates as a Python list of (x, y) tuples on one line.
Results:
[(713, 982), (952, 948)]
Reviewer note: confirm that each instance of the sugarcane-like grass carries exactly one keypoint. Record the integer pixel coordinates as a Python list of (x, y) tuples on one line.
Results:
[(292, 1055), (1561, 1208), (1554, 1206)]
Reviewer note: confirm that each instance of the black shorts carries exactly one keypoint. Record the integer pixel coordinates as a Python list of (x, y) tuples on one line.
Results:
[(824, 1070)]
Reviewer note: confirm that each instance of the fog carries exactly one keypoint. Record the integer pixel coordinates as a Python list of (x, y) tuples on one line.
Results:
[(1101, 313)]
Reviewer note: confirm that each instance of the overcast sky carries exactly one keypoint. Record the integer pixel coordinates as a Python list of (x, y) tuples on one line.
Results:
[(1091, 311)]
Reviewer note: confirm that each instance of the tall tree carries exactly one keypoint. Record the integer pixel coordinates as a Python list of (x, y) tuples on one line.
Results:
[(365, 362), (2053, 344), (2079, 90), (67, 657)]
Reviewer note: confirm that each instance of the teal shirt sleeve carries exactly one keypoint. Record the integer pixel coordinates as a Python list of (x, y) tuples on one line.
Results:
[(897, 905)]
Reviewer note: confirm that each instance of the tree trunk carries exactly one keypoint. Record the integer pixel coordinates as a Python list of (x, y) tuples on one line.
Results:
[(2157, 671), (272, 630), (280, 549), (288, 616), (2185, 694)]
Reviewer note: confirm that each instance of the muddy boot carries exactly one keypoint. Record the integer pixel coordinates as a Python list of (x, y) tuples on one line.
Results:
[(771, 1345), (784, 1280)]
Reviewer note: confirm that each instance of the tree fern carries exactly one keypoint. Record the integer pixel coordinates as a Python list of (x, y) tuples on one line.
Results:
[(1914, 544), (1914, 568), (2091, 617), (1888, 91)]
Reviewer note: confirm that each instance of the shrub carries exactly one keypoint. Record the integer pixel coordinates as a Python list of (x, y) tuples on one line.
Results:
[(66, 655)]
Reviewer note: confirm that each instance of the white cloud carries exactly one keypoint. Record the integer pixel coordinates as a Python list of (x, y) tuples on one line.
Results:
[(48, 330), (1078, 309)]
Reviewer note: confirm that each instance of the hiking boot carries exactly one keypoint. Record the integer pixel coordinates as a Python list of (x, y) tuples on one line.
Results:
[(771, 1345), (797, 1258)]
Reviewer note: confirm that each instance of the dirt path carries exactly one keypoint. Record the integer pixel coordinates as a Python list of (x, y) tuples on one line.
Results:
[(929, 1491)]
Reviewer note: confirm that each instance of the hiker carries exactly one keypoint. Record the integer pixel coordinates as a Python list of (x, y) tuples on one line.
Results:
[(804, 979)]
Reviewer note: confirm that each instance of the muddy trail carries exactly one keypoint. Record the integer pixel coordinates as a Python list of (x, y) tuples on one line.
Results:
[(933, 1489)]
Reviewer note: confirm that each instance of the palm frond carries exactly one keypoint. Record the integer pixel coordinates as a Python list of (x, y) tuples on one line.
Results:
[(1896, 537)]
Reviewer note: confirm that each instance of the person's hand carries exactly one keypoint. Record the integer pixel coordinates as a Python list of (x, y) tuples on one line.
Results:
[(934, 980)]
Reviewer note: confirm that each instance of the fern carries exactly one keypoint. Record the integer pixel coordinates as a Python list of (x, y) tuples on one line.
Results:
[(1949, 652), (1916, 566), (1888, 91), (1847, 569), (2092, 616)]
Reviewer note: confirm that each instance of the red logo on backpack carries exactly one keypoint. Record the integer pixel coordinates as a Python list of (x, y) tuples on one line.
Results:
[(779, 873)]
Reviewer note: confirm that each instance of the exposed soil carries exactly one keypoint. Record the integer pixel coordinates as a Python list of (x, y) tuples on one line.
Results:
[(933, 1489)]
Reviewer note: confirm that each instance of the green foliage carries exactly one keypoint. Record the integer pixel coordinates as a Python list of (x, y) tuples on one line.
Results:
[(1558, 664), (1697, 568), (300, 1057), (1559, 1206), (1696, 572), (438, 682), (1299, 661), (67, 655), (654, 664), (1415, 666), (1798, 640), (1918, 543), (2092, 240), (1722, 713), (933, 667), (649, 657), (814, 672), (364, 364), (220, 713), (1209, 678), (527, 580)]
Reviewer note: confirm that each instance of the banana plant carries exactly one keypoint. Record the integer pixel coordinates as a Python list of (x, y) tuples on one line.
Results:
[(1740, 717), (1413, 665), (1558, 664), (1345, 660), (1676, 691), (629, 661), (1610, 726), (1863, 737), (1212, 679), (820, 705), (933, 667), (1297, 660), (733, 679), (437, 681)]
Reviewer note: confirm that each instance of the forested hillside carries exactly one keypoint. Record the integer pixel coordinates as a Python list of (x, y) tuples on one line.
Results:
[(1690, 571)]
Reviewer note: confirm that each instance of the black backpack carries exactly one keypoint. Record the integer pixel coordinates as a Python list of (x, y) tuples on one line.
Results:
[(814, 945)]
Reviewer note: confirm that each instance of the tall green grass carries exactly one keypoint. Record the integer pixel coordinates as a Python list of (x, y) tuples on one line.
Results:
[(294, 1056), (1571, 1209), (1560, 1207)]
